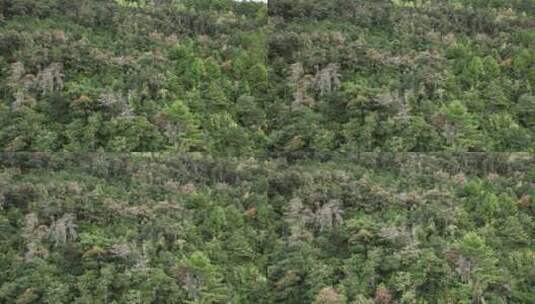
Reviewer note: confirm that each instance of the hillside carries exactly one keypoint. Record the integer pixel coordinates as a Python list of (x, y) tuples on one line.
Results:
[(415, 76), (290, 78), (294, 151), (100, 75), (380, 228)]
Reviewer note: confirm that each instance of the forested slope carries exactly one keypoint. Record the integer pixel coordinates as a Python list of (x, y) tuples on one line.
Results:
[(379, 228), (299, 151), (99, 75), (402, 75), (242, 78)]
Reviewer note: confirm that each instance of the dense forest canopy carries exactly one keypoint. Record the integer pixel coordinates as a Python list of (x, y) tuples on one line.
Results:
[(294, 151), (246, 78), (112, 76), (160, 228), (402, 75)]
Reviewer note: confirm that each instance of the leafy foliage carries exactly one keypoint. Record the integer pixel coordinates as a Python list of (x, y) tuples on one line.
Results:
[(220, 151), (160, 228)]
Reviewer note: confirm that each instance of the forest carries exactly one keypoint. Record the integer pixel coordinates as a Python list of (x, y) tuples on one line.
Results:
[(415, 76), (285, 151), (99, 75), (290, 78), (160, 228)]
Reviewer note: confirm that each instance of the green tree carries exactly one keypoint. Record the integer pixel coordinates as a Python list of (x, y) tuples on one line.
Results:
[(181, 126), (202, 280), (477, 266)]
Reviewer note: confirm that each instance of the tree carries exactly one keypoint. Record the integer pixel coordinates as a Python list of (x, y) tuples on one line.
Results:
[(201, 279), (328, 78), (63, 230), (328, 295), (329, 216), (249, 113), (525, 110), (34, 235), (477, 266), (50, 79), (132, 134), (300, 84), (181, 126), (257, 76), (298, 217), (460, 128)]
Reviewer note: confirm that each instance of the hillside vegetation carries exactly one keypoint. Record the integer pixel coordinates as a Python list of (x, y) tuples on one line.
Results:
[(402, 75), (290, 78), (157, 228), (296, 151), (118, 77)]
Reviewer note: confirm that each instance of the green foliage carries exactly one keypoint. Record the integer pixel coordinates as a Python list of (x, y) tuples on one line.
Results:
[(220, 151), (97, 75), (182, 126), (320, 78), (399, 61), (202, 281), (165, 228)]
